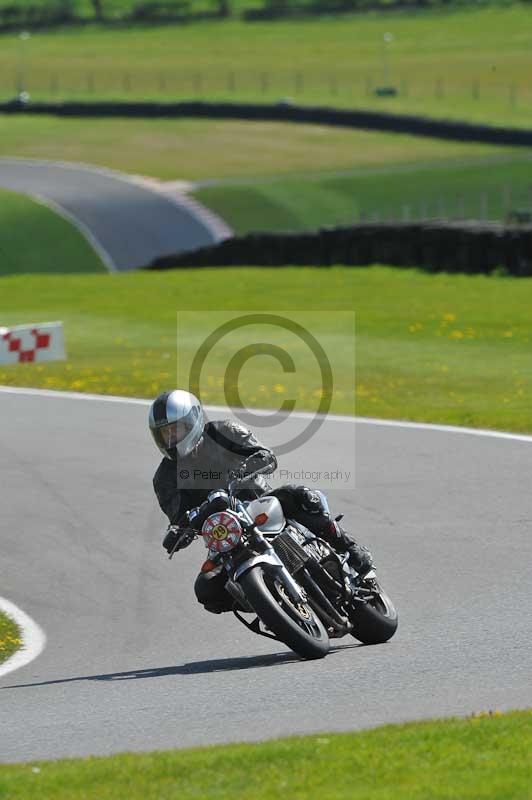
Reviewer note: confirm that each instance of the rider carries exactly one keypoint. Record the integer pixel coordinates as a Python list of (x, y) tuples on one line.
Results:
[(200, 457)]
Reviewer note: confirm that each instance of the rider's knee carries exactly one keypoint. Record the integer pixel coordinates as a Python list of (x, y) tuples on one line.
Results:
[(295, 498), (305, 505), (312, 501)]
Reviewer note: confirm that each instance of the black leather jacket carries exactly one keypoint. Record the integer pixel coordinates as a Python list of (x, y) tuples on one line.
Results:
[(185, 483)]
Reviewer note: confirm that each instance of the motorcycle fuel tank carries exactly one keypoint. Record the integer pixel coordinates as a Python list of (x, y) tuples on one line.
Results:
[(272, 508)]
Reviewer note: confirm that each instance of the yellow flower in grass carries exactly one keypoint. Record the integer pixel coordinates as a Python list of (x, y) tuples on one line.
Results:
[(449, 317)]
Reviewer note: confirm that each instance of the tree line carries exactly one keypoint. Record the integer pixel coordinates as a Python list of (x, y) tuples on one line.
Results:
[(30, 14)]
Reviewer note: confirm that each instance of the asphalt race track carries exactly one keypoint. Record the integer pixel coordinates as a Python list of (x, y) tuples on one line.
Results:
[(129, 224), (132, 663)]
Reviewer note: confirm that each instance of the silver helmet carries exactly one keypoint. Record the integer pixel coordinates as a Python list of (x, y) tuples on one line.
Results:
[(176, 423)]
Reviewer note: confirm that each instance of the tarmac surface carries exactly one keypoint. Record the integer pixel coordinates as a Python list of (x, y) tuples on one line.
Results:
[(133, 663)]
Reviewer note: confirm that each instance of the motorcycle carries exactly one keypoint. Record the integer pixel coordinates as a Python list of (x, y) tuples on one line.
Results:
[(300, 591)]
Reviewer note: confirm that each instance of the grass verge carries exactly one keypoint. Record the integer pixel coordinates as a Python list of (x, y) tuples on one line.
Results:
[(483, 756), (437, 348), (35, 239), (10, 637)]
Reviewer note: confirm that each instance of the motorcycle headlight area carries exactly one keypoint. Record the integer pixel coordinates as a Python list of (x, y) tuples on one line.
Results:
[(221, 532)]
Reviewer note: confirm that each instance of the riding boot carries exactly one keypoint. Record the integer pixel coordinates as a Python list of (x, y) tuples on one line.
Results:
[(360, 557)]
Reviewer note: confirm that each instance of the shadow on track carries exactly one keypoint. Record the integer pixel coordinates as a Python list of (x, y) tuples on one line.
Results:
[(194, 668)]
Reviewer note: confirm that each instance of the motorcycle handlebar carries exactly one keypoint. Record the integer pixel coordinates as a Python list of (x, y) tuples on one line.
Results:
[(198, 515)]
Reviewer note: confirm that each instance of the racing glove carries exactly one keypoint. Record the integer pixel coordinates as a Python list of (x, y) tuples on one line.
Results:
[(177, 538)]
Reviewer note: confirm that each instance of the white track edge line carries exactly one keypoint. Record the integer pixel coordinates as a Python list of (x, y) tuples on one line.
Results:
[(33, 638), (390, 423)]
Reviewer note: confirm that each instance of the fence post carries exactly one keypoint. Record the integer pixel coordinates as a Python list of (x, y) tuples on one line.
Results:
[(506, 199), (483, 204)]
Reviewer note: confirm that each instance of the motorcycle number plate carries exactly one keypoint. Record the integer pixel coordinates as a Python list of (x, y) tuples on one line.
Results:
[(221, 532)]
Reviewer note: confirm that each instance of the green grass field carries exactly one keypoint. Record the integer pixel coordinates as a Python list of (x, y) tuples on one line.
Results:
[(468, 63), (35, 239), (438, 348), (482, 756), (279, 176), (10, 637), (198, 150), (482, 188)]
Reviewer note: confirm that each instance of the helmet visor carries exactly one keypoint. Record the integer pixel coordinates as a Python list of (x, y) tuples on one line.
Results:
[(169, 436)]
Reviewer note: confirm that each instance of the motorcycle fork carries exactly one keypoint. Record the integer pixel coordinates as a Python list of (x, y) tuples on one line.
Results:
[(323, 607)]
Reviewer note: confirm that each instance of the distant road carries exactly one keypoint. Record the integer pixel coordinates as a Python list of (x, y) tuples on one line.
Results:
[(127, 223)]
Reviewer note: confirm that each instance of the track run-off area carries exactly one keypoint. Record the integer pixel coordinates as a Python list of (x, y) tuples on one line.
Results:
[(132, 662)]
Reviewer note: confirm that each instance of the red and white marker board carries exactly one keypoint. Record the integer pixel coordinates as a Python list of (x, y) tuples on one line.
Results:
[(26, 344)]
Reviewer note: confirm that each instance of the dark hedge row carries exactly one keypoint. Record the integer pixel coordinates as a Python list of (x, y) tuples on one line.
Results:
[(279, 9), (17, 15), (451, 247), (283, 112), (35, 14)]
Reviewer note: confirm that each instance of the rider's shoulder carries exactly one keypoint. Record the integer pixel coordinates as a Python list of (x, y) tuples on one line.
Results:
[(229, 428)]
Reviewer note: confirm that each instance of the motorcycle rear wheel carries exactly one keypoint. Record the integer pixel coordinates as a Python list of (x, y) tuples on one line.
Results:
[(298, 627)]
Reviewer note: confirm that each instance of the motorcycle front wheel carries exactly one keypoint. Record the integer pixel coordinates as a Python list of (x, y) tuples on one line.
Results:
[(295, 624), (375, 621)]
